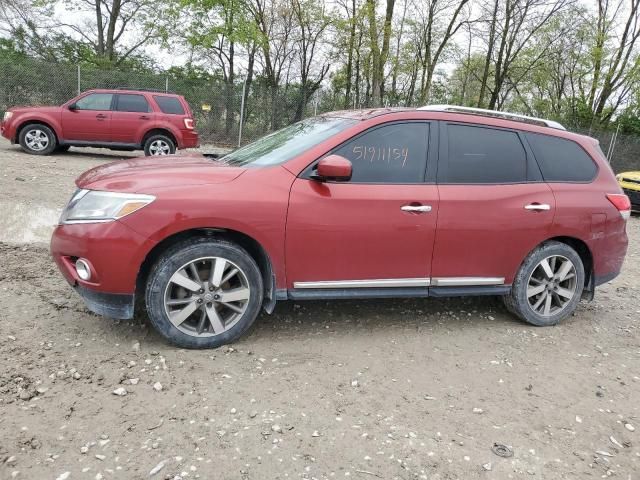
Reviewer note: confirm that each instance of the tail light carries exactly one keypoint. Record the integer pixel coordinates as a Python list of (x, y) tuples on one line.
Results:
[(621, 202), (188, 123)]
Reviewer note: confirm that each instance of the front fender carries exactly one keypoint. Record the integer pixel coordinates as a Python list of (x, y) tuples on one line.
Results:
[(51, 120)]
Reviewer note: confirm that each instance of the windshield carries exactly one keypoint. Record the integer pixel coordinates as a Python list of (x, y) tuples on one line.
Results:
[(287, 143)]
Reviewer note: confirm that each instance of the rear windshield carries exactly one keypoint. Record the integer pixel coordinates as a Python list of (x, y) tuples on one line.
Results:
[(285, 144), (169, 105)]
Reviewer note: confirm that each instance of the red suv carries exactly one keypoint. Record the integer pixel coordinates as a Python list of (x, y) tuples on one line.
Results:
[(154, 121), (435, 201)]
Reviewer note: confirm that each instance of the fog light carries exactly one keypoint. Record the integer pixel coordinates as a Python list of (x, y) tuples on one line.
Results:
[(82, 267)]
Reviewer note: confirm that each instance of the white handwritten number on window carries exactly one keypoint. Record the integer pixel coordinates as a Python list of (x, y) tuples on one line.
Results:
[(380, 154)]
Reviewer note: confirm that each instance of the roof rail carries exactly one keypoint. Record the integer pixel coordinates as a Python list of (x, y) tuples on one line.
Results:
[(155, 90), (516, 117)]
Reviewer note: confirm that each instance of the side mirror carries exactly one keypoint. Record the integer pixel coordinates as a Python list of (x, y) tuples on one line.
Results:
[(72, 107), (333, 167)]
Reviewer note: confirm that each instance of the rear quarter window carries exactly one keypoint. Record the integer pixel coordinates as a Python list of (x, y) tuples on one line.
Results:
[(561, 160), (170, 105)]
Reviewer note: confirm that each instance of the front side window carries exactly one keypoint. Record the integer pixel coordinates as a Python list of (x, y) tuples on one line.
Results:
[(132, 103), (484, 155), (95, 101), (394, 153), (285, 144)]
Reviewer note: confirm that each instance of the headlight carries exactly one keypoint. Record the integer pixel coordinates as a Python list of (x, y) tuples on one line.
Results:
[(93, 206), (7, 116)]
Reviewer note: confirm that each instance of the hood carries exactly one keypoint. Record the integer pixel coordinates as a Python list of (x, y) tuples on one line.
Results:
[(34, 108), (630, 175), (141, 175)]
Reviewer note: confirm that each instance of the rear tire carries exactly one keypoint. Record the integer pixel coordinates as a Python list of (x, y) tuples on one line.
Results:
[(548, 285), (204, 293), (157, 145), (37, 139)]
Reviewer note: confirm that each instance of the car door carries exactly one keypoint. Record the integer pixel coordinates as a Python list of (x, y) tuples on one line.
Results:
[(88, 119), (132, 115), (494, 206), (376, 230)]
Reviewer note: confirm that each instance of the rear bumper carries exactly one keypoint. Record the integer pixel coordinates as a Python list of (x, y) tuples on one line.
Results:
[(190, 139), (111, 305)]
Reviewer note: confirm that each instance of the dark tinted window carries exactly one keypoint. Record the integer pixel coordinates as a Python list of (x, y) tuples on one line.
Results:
[(169, 105), (561, 160), (95, 101), (132, 103), (485, 155), (395, 153)]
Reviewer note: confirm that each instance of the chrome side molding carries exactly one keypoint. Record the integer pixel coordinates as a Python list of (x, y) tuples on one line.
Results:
[(381, 283), (466, 281), (403, 282)]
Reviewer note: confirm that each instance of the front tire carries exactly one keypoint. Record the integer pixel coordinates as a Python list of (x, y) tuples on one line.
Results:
[(204, 293), (157, 145), (548, 285), (37, 139)]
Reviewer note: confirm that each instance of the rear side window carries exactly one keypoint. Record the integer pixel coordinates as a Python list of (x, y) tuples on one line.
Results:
[(169, 105), (561, 160), (132, 103), (394, 153), (485, 155)]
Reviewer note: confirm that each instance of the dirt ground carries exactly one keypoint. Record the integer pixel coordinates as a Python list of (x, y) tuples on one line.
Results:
[(393, 389)]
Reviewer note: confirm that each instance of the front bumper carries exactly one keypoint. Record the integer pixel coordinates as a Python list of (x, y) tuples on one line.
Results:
[(111, 305), (6, 131), (634, 197), (114, 253)]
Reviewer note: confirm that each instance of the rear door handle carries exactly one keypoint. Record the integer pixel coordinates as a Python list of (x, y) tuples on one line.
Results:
[(538, 206), (144, 117), (416, 208), (101, 116)]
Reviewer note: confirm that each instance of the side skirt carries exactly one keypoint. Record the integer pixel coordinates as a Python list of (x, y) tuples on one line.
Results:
[(407, 292)]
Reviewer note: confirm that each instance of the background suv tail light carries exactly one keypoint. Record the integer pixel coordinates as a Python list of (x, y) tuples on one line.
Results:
[(621, 202), (188, 123)]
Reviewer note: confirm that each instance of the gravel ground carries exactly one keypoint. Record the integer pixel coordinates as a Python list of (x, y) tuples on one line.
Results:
[(374, 389)]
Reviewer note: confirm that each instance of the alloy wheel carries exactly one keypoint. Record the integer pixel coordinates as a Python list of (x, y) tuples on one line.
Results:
[(36, 140), (159, 147), (552, 285), (207, 296)]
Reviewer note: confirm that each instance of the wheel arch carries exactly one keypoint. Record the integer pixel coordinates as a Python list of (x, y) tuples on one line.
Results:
[(36, 121), (252, 246), (160, 131)]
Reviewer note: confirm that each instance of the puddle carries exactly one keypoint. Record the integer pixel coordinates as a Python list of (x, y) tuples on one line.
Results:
[(27, 223)]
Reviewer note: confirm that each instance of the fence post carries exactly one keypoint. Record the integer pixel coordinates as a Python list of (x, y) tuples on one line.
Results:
[(78, 79), (244, 87), (166, 84)]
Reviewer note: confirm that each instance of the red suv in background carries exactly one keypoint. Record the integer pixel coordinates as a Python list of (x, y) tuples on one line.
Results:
[(158, 123), (436, 201)]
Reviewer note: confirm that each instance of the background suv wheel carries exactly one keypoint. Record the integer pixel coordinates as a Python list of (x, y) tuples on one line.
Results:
[(159, 145), (37, 139), (204, 293), (548, 285)]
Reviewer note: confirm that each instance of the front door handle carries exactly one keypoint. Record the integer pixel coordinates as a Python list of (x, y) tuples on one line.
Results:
[(101, 116), (538, 206), (416, 208)]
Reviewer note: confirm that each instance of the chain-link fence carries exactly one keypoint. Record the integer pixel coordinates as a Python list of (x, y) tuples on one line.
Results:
[(226, 114), (223, 116)]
